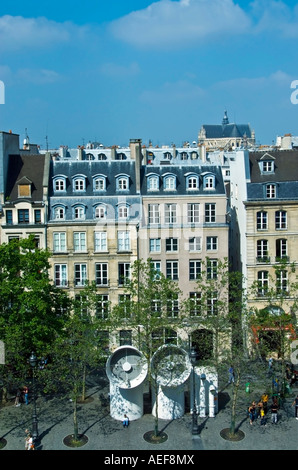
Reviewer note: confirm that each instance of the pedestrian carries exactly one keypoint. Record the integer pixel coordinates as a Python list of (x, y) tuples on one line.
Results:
[(231, 375), (29, 444), (17, 401), (270, 365), (264, 399), (295, 403), (263, 419), (274, 409), (251, 413), (26, 395), (125, 421)]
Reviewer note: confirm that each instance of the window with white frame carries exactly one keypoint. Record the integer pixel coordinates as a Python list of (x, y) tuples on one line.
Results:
[(209, 182), (154, 245), (171, 244), (79, 184), (123, 273), (80, 274), (157, 269), (122, 183), (169, 182), (192, 182), (59, 213), (212, 268), (262, 220), (79, 241), (124, 301), (281, 249), (263, 283), (193, 213), (153, 183), (212, 303), (60, 275), (99, 183), (211, 243), (281, 281), (280, 220), (123, 211), (100, 241), (195, 304), (154, 214), (123, 239), (210, 215), (79, 212), (195, 269), (270, 191), (173, 305), (170, 213), (172, 270), (100, 212), (268, 167), (59, 184), (195, 243), (262, 250), (102, 306), (101, 274), (59, 241)]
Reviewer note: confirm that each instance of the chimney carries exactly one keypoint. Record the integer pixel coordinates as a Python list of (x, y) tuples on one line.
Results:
[(135, 146)]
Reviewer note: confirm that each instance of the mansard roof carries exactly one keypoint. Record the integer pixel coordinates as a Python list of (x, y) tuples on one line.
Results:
[(227, 131), (285, 165), (28, 169)]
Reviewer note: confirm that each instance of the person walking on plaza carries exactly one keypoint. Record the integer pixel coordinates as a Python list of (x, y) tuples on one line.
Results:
[(231, 375), (270, 366), (295, 403), (26, 395), (274, 409), (125, 421), (18, 398)]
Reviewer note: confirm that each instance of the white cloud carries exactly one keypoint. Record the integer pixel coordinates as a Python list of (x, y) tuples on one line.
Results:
[(38, 76), (17, 32), (275, 17), (171, 23), (119, 71)]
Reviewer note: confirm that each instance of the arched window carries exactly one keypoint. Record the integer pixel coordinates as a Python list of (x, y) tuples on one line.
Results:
[(169, 182), (59, 183), (99, 183), (122, 182), (59, 212), (100, 212)]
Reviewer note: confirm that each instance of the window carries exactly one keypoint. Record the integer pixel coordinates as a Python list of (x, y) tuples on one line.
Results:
[(262, 220), (209, 212), (172, 244), (59, 241), (263, 283), (212, 303), (79, 212), (193, 213), (123, 211), (61, 275), (79, 184), (101, 274), (195, 304), (100, 241), (157, 269), (212, 269), (192, 182), (268, 167), (162, 336), (195, 270), (100, 212), (125, 305), (172, 270), (270, 191), (37, 216), (154, 215), (169, 182), (153, 183), (156, 306), (123, 273), (99, 183), (211, 243), (209, 182), (281, 282), (170, 214), (122, 183), (154, 245), (173, 305), (59, 213), (195, 244), (280, 220), (123, 241), (125, 337), (262, 251), (8, 214), (80, 274), (23, 216), (102, 305), (281, 250), (59, 184), (79, 241)]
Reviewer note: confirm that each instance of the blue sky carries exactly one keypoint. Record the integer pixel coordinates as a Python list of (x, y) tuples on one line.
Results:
[(114, 70)]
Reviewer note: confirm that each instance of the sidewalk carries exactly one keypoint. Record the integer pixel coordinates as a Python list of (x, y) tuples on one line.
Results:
[(55, 422)]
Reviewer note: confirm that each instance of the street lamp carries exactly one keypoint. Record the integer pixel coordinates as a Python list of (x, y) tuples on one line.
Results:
[(33, 362), (193, 359)]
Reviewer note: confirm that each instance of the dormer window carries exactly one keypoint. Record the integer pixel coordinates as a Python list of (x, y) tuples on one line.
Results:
[(192, 181), (270, 191), (59, 183), (59, 212), (123, 211), (99, 183), (79, 212), (267, 167), (79, 183), (24, 187), (266, 164), (122, 182), (209, 181), (100, 212), (169, 182), (153, 183)]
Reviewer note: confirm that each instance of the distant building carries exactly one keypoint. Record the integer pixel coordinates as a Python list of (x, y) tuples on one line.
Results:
[(226, 136)]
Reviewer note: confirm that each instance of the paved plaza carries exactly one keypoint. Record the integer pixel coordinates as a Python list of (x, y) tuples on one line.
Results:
[(105, 434)]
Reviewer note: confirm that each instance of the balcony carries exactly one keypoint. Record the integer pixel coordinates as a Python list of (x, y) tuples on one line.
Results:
[(263, 259)]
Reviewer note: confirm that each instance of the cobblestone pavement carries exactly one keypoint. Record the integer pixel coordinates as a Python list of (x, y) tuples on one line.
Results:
[(55, 422)]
